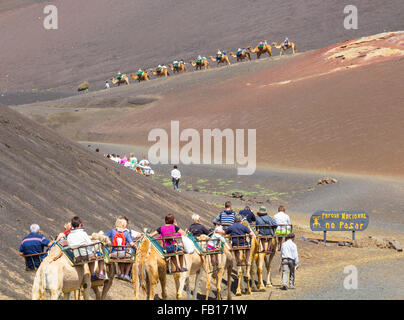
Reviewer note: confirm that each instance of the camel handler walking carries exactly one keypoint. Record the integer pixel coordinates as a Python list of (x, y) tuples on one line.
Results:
[(290, 262)]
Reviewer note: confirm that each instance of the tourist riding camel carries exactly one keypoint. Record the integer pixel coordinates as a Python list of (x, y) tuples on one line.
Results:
[(241, 55), (32, 244), (200, 62), (141, 75), (262, 48), (171, 245), (78, 238), (286, 45), (161, 71), (121, 78), (265, 227), (221, 57), (197, 228), (284, 225), (226, 217), (178, 66), (121, 239)]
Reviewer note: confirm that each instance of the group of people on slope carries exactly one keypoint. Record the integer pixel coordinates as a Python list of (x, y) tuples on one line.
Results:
[(132, 163), (75, 237)]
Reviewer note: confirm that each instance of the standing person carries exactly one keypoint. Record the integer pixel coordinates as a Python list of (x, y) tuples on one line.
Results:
[(107, 85), (290, 262), (197, 228), (77, 238), (226, 217), (33, 243), (175, 176), (283, 222), (248, 214)]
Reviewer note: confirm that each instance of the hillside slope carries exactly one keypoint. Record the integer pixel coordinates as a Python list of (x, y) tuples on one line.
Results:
[(47, 179), (98, 38)]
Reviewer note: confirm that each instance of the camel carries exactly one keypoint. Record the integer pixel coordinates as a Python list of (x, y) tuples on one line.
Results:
[(265, 49), (259, 258), (124, 79), (199, 64), (143, 77), (248, 269), (57, 275), (150, 267), (161, 72), (223, 59), (244, 55), (178, 68), (225, 264), (283, 48)]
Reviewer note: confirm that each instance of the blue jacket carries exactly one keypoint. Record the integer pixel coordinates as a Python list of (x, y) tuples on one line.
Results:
[(248, 214), (31, 244)]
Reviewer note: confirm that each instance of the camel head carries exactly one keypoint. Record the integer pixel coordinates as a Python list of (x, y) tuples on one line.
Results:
[(171, 66), (233, 54), (101, 237), (134, 77), (192, 62)]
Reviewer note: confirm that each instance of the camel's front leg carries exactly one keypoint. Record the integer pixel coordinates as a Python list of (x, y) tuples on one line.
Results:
[(268, 266), (240, 279), (197, 281), (248, 274), (260, 270), (181, 283), (219, 278), (163, 282)]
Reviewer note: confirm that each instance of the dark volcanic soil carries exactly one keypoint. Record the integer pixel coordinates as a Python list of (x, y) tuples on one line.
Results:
[(48, 179), (97, 38)]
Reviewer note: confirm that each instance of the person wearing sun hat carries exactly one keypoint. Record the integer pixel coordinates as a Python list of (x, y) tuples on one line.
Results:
[(265, 226)]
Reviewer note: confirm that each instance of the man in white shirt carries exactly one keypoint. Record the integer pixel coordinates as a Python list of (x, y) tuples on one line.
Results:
[(176, 176), (290, 262), (144, 162), (284, 225)]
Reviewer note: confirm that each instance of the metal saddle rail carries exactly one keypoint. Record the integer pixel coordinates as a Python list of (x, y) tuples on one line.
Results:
[(205, 250), (243, 242), (171, 242), (121, 254), (32, 258), (86, 253)]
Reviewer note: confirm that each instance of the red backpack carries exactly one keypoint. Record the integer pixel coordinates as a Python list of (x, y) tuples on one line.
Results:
[(119, 239)]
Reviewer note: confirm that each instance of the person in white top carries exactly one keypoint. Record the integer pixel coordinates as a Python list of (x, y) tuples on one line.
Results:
[(176, 176), (78, 238), (144, 162), (290, 262), (284, 225)]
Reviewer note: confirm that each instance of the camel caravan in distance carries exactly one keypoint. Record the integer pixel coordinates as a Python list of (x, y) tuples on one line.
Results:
[(180, 66), (62, 273)]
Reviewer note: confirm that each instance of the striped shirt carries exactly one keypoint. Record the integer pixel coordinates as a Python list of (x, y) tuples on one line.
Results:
[(225, 218)]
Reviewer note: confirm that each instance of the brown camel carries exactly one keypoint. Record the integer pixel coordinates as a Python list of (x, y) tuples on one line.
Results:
[(149, 268), (260, 257), (282, 47), (223, 59), (178, 67), (124, 79), (242, 56), (260, 51), (225, 260), (160, 72), (143, 77), (199, 64), (247, 268)]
